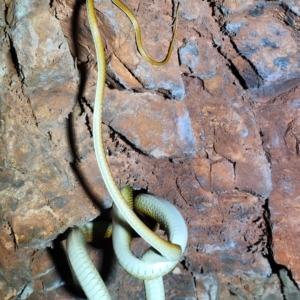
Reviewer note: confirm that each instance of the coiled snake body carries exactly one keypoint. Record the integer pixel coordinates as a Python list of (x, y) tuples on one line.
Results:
[(163, 255)]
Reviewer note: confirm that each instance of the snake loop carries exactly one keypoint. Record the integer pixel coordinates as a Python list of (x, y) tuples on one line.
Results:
[(150, 268)]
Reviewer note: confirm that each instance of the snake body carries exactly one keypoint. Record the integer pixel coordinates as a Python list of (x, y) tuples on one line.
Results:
[(83, 267), (138, 37), (152, 265), (150, 268), (167, 249), (163, 255)]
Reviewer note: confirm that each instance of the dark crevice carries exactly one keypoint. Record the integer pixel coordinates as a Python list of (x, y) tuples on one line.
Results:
[(255, 80), (163, 93), (249, 192), (234, 170), (184, 265), (89, 127), (290, 18), (113, 83), (233, 69), (83, 103), (129, 70), (59, 256), (51, 3), (6, 13), (213, 6), (237, 74), (82, 109), (275, 267), (267, 154), (268, 157), (49, 135), (231, 65), (259, 78), (117, 135), (195, 283), (15, 61), (290, 276), (13, 236), (22, 291), (270, 256)]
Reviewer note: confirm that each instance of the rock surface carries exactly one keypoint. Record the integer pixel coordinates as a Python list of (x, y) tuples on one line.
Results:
[(216, 132), (280, 132)]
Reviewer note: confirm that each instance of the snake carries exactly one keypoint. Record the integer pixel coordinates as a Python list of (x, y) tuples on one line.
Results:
[(163, 255), (138, 37), (150, 268)]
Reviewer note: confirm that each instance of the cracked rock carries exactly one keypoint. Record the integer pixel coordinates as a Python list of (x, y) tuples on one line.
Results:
[(226, 155)]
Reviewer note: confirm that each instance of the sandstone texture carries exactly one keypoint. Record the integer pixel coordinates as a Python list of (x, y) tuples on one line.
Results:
[(216, 132)]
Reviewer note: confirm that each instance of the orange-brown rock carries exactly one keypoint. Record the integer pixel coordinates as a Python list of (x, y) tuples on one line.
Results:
[(279, 123), (215, 132)]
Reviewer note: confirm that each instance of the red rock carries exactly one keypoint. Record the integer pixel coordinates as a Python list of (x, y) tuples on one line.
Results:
[(218, 154), (278, 121), (222, 176)]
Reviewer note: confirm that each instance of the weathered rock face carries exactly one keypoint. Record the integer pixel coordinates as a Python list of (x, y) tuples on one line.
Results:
[(280, 125), (216, 131)]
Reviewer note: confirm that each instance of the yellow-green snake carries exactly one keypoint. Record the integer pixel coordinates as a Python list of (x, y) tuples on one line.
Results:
[(150, 268), (138, 37), (152, 264)]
